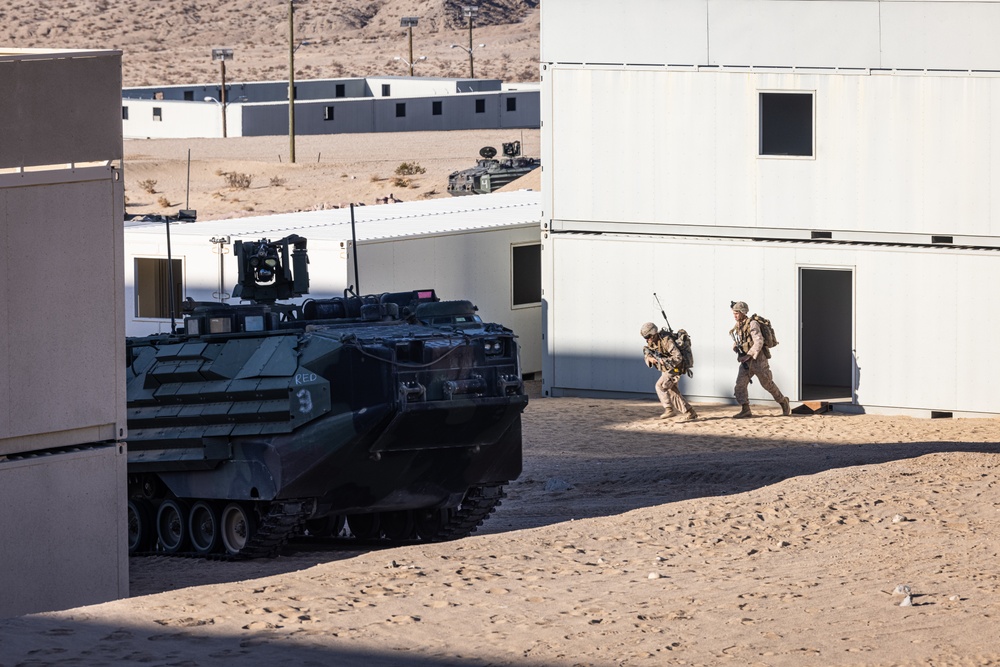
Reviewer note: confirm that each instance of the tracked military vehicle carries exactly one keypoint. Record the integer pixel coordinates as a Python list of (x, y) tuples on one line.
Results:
[(394, 416), (490, 174)]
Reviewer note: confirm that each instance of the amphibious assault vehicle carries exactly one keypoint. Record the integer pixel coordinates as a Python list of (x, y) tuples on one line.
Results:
[(490, 174), (391, 416)]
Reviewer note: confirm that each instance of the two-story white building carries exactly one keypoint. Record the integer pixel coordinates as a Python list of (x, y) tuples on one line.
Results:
[(830, 162)]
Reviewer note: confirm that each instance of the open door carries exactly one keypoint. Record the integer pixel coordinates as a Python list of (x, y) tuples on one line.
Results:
[(826, 317)]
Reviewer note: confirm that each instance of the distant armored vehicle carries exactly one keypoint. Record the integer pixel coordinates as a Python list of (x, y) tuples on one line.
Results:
[(490, 174), (392, 416)]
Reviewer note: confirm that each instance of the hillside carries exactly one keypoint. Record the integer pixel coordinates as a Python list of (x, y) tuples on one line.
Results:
[(170, 42)]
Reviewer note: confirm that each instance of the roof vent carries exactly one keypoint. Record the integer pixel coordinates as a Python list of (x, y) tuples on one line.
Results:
[(942, 239), (822, 235)]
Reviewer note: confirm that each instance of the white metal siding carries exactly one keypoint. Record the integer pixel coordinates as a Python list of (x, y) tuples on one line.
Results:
[(894, 153), (923, 316), (949, 34)]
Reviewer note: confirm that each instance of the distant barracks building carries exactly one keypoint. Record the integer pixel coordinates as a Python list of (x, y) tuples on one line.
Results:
[(329, 106), (830, 163)]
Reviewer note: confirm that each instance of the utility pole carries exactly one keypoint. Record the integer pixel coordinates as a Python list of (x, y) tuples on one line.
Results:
[(408, 22), (470, 11), (222, 55), (291, 81)]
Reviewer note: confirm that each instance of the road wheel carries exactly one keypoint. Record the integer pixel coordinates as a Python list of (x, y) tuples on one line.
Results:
[(171, 526), (237, 527), (140, 526), (364, 526), (203, 526), (397, 526)]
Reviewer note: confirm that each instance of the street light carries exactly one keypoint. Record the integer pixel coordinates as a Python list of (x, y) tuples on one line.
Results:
[(470, 11), (409, 62), (409, 22), (468, 49), (222, 55)]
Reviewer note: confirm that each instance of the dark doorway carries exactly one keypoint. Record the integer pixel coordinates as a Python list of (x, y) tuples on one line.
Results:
[(827, 327)]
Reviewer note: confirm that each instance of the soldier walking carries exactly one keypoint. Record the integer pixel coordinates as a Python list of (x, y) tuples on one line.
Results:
[(663, 354), (752, 353)]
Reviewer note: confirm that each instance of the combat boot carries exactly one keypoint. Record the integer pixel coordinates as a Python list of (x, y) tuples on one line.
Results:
[(744, 412), (668, 413), (688, 416), (786, 409)]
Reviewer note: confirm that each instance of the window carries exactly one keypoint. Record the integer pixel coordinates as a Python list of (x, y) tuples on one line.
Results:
[(401, 110), (152, 295), (189, 96), (328, 113), (124, 113), (339, 90), (526, 274), (436, 108), (480, 105), (157, 113), (385, 90), (511, 104), (786, 124)]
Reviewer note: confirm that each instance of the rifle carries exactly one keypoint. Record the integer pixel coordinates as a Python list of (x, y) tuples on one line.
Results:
[(738, 349)]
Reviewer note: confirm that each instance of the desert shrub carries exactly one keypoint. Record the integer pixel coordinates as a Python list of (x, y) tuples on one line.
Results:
[(401, 182), (409, 169), (277, 181), (163, 202), (237, 180), (149, 185)]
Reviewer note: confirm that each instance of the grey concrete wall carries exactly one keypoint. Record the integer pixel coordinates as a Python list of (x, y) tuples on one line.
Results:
[(62, 522), (73, 117), (62, 332)]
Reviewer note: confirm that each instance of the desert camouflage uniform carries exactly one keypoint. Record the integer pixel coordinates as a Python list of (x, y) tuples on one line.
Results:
[(666, 386), (751, 342)]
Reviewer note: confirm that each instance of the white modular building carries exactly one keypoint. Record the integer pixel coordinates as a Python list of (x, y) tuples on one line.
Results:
[(328, 106), (830, 162), (485, 249)]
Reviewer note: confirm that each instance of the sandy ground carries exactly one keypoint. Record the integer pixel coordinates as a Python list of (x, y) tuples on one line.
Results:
[(626, 541), (330, 171)]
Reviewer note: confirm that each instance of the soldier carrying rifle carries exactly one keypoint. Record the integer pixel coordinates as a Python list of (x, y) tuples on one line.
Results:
[(753, 346), (663, 353)]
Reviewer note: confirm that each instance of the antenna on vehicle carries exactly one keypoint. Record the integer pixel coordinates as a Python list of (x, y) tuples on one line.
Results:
[(354, 245)]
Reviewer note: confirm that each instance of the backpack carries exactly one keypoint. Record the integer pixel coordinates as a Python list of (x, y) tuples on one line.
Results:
[(683, 342), (766, 330)]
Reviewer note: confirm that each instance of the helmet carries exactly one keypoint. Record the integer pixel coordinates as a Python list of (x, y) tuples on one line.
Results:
[(739, 307), (648, 329)]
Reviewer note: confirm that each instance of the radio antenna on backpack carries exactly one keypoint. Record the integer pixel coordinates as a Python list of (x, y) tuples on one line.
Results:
[(663, 312)]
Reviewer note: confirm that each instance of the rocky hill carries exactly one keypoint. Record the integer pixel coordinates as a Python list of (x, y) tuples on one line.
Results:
[(170, 41)]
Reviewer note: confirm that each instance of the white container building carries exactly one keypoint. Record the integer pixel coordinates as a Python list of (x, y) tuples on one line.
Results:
[(483, 248), (62, 340), (829, 162)]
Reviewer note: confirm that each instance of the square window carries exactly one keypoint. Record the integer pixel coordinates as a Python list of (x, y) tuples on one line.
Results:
[(157, 113), (339, 90), (189, 96), (328, 113), (385, 90), (124, 113), (436, 108), (401, 110), (786, 124), (526, 274), (511, 104), (480, 105), (152, 292)]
